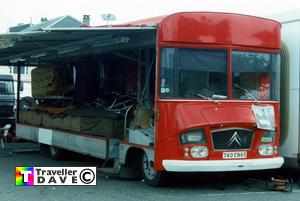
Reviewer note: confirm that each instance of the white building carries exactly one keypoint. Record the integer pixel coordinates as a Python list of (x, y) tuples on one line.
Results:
[(59, 22), (25, 78)]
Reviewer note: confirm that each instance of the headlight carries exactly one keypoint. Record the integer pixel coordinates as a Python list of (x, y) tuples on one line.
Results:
[(193, 137), (199, 152), (266, 150), (268, 136)]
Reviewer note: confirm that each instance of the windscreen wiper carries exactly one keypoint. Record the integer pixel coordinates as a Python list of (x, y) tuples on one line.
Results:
[(246, 91), (202, 96)]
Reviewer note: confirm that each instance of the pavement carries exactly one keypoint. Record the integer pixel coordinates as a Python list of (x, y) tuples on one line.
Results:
[(181, 187)]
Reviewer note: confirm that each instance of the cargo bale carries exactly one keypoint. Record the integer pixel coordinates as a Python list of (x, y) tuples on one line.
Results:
[(31, 117), (49, 81), (51, 121), (98, 126)]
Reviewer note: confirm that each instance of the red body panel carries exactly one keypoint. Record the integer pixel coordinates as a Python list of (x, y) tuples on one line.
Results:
[(221, 29), (178, 116), (212, 30)]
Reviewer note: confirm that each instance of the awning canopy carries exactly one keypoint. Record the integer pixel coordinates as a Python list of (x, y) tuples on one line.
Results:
[(65, 44)]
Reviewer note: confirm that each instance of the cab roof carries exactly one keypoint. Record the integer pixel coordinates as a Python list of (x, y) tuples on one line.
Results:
[(66, 44)]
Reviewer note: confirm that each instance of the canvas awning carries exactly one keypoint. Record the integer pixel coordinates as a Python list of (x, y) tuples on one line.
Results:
[(57, 44)]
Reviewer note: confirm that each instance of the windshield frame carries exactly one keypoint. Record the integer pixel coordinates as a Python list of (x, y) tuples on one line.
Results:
[(266, 75), (178, 71), (229, 49)]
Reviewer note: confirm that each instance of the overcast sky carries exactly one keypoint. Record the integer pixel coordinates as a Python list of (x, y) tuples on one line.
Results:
[(13, 12)]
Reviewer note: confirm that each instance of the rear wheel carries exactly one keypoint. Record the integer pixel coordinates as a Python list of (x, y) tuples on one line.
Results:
[(150, 175)]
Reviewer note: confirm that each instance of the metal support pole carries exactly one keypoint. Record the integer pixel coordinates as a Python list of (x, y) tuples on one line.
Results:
[(146, 91), (18, 89), (139, 76)]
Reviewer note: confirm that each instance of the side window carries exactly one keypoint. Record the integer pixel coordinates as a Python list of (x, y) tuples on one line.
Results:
[(23, 70), (167, 73)]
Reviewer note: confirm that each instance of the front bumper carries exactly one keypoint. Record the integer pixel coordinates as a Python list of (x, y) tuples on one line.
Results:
[(222, 165)]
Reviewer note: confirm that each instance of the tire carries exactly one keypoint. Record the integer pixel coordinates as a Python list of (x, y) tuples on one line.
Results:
[(151, 176), (56, 153)]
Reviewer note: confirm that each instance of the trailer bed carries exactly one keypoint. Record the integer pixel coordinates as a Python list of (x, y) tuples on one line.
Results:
[(100, 147)]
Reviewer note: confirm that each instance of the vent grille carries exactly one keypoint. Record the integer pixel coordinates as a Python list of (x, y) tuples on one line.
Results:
[(232, 139)]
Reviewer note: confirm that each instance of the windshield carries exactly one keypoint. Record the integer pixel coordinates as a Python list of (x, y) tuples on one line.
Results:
[(6, 87), (193, 73), (254, 75)]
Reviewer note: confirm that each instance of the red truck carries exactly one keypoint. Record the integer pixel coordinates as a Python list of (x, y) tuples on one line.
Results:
[(202, 88)]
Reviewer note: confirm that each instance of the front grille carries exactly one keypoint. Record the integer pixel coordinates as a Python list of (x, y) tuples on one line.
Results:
[(232, 139), (6, 110)]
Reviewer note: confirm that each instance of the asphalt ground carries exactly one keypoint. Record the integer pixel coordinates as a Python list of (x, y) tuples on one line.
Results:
[(181, 187)]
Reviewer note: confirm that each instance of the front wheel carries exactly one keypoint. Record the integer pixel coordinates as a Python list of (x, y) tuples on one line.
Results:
[(150, 175)]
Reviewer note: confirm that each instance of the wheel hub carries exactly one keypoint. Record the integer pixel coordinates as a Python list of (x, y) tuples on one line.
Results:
[(148, 168)]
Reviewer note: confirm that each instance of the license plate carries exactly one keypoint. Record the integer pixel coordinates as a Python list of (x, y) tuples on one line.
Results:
[(237, 154)]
